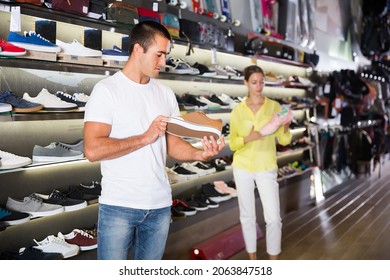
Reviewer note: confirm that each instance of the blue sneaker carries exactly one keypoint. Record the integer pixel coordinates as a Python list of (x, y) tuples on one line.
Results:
[(32, 41), (115, 53), (19, 105)]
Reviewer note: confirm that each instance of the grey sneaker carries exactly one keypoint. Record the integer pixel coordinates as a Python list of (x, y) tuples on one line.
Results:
[(34, 206), (76, 146), (55, 152)]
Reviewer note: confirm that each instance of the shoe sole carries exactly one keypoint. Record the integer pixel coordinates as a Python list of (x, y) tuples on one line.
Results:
[(69, 208), (181, 128), (43, 214), (39, 48), (55, 159), (17, 222), (4, 53), (27, 110), (4, 166)]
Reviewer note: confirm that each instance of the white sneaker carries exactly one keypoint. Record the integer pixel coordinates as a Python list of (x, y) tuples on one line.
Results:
[(221, 73), (9, 161), (50, 102), (77, 49), (53, 244), (5, 107)]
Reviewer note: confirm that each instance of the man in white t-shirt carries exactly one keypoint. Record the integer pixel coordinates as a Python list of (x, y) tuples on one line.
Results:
[(125, 129)]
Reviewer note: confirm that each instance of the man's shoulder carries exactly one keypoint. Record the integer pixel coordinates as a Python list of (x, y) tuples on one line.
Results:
[(160, 85)]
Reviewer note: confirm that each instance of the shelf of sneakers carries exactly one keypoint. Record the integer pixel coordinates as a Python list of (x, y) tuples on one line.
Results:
[(292, 170)]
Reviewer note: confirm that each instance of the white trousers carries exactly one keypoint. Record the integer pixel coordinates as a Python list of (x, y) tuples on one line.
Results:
[(268, 189)]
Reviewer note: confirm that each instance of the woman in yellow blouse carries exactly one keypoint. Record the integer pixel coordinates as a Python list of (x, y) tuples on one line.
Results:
[(254, 162)]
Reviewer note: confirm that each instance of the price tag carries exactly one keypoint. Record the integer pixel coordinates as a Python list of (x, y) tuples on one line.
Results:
[(15, 24), (213, 56), (155, 6)]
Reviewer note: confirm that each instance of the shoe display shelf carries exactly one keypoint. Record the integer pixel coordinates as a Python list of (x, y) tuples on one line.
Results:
[(23, 131)]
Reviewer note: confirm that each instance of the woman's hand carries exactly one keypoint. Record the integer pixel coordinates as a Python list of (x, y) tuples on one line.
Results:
[(253, 135)]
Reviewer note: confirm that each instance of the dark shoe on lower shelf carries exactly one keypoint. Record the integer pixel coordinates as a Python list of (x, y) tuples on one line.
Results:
[(31, 253), (77, 193)]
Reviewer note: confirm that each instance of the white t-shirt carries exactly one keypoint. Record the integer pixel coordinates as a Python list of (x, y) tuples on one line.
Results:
[(138, 179)]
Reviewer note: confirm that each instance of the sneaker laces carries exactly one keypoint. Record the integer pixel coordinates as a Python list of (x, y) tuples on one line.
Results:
[(83, 233), (66, 95), (58, 144), (79, 96), (36, 198), (57, 240), (32, 33), (58, 195)]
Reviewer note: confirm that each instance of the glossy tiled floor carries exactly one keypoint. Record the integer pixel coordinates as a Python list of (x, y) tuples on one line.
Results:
[(352, 223)]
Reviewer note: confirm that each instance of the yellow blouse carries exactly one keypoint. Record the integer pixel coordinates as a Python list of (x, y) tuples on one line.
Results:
[(259, 155)]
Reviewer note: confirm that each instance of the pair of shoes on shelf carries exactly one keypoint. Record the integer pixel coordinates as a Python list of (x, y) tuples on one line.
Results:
[(58, 151), (18, 104), (42, 205)]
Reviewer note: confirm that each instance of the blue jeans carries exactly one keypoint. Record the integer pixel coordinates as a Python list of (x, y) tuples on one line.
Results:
[(123, 229)]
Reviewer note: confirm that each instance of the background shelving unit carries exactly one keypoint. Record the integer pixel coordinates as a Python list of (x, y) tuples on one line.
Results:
[(20, 132)]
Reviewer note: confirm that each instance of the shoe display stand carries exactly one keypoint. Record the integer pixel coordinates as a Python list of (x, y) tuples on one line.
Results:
[(20, 132)]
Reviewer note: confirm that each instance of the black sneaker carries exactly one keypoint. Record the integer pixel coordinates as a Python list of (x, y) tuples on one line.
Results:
[(182, 207), (211, 193), (188, 98), (19, 105), (94, 188), (10, 218), (75, 192), (204, 70), (196, 203), (183, 104), (59, 198), (215, 99), (176, 215), (201, 197), (31, 253)]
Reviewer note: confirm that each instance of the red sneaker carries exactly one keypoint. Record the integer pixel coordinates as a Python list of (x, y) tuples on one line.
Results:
[(7, 49)]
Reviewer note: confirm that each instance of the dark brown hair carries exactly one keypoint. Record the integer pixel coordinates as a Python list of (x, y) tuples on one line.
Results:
[(249, 70), (143, 34)]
